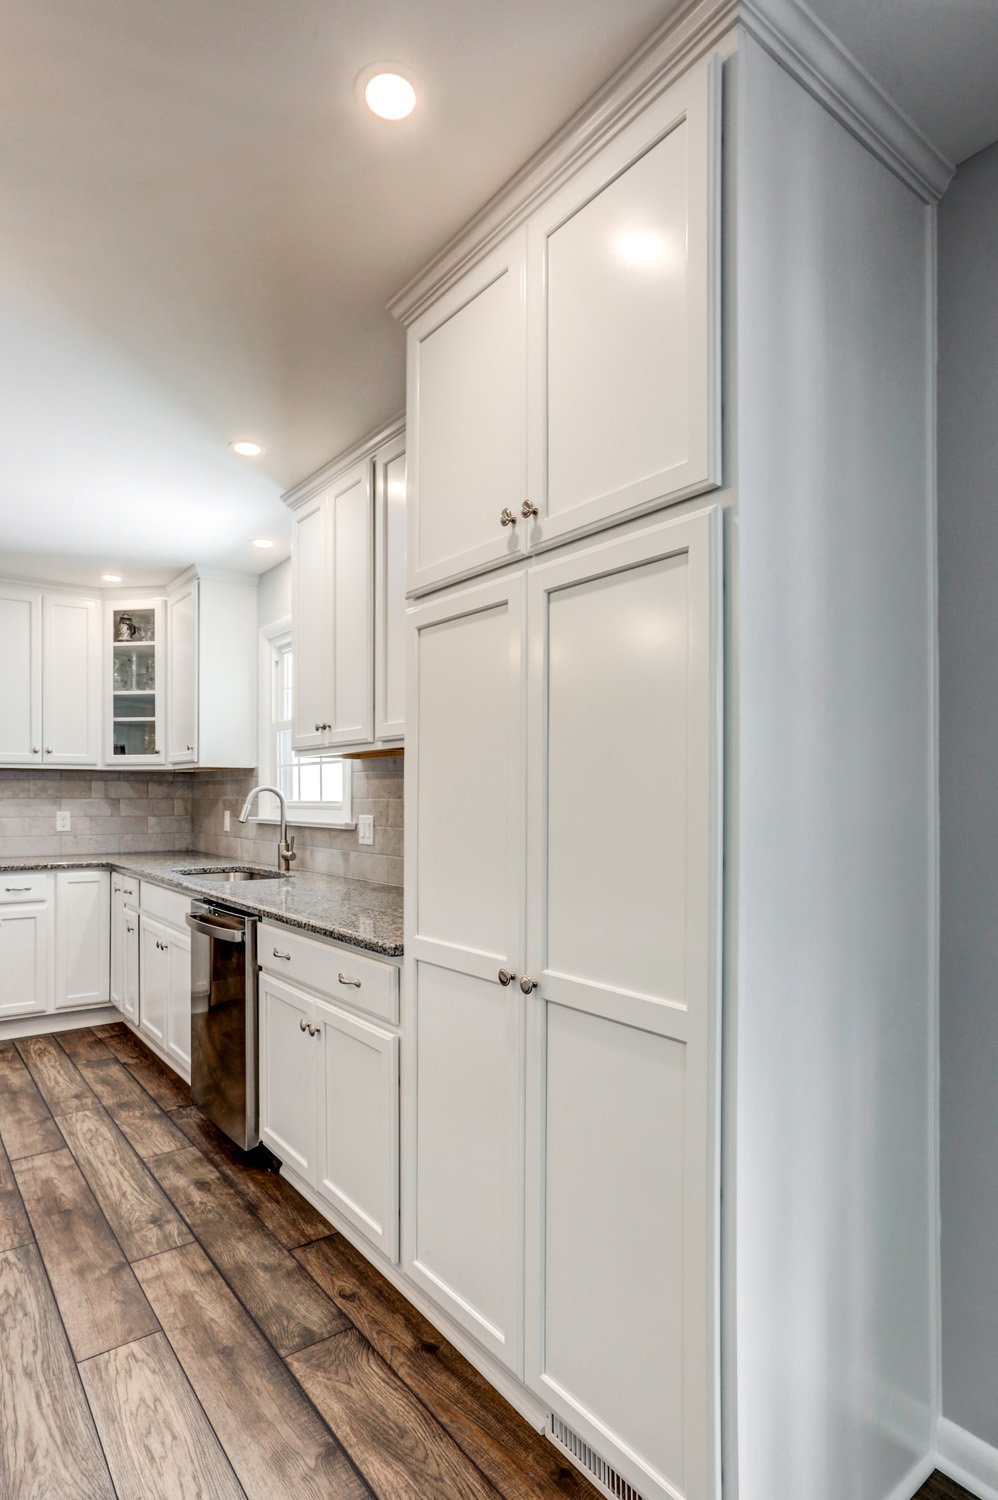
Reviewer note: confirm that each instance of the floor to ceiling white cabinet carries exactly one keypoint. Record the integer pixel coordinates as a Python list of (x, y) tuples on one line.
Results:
[(563, 983)]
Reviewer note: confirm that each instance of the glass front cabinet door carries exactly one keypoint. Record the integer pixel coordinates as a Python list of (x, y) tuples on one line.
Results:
[(135, 682)]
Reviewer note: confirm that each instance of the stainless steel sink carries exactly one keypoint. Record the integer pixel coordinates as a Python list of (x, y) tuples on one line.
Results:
[(231, 876)]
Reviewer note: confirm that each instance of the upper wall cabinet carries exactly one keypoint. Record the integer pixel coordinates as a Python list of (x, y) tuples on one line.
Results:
[(134, 687), (467, 408), (50, 705), (571, 379), (212, 670), (348, 603)]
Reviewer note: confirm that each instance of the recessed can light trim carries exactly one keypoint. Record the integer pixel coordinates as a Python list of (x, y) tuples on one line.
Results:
[(110, 578), (246, 447), (387, 92), (262, 542)]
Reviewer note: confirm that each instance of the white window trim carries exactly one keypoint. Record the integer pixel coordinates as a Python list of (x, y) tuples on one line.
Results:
[(300, 814)]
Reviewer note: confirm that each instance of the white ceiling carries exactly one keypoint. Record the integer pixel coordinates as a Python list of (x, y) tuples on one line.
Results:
[(936, 58), (200, 226)]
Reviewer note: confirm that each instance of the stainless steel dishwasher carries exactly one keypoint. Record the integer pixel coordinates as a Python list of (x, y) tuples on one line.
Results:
[(224, 1020)]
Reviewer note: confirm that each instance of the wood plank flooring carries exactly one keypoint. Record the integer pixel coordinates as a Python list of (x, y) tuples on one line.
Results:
[(176, 1321)]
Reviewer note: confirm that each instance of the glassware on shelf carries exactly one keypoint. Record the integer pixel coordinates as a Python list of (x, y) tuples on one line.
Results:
[(145, 669), (125, 628), (124, 671)]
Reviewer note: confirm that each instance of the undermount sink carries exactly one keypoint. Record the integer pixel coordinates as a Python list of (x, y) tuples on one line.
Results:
[(234, 875)]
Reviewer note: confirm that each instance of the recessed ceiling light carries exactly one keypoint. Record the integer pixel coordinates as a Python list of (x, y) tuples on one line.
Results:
[(262, 541), (110, 578), (245, 448), (390, 96)]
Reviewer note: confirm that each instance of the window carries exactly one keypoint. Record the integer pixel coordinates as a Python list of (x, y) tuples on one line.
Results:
[(317, 787)]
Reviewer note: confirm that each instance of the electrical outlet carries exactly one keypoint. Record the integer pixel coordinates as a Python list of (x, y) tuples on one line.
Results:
[(63, 822), (226, 821), (365, 828)]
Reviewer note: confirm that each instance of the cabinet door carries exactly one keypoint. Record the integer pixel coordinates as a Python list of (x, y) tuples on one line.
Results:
[(350, 713), (130, 962), (182, 676), (117, 978), (135, 693), (624, 1026), (311, 622), (389, 592), (466, 404), (463, 1136), (288, 1073), (82, 938), (154, 978), (178, 1011), (358, 1158), (21, 699), (623, 305), (71, 689), (25, 960)]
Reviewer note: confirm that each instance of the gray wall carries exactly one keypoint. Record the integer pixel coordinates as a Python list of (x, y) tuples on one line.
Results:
[(968, 644)]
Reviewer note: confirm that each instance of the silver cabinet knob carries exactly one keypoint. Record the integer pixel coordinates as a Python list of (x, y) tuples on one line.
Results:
[(507, 517), (528, 985), (191, 748), (35, 750), (317, 728), (527, 510), (506, 978), (313, 1031), (48, 749), (302, 1024)]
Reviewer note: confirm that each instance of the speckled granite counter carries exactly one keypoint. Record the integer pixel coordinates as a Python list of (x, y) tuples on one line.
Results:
[(349, 911)]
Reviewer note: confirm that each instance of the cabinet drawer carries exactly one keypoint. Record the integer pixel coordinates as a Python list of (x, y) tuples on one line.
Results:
[(366, 984), (168, 906), (125, 885), (15, 887)]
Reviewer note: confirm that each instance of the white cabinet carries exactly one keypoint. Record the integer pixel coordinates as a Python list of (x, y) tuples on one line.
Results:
[(357, 1162), (467, 412), (21, 699), (135, 691), (125, 945), (50, 706), (622, 299), (585, 1043), (389, 591), (165, 983), (71, 689), (571, 378), (463, 1141), (212, 670), (182, 627), (130, 966), (82, 938), (26, 949), (288, 1075), (329, 1090), (333, 614)]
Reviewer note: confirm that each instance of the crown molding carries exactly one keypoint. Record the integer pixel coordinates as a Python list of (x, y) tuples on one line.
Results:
[(785, 28), (801, 44), (367, 447), (694, 29), (196, 571)]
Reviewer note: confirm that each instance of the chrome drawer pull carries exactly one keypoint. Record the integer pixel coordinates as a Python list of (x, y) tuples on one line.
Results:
[(353, 983), (278, 954), (17, 888)]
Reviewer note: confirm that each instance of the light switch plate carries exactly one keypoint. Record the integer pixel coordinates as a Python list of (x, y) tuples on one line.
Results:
[(63, 822), (365, 828)]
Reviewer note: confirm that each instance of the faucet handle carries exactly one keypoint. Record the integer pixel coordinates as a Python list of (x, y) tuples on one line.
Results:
[(289, 848)]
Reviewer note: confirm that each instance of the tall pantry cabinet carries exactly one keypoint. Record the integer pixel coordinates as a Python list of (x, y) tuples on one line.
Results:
[(561, 948), (578, 553)]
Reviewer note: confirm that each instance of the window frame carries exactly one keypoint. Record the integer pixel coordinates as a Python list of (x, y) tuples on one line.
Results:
[(273, 638)]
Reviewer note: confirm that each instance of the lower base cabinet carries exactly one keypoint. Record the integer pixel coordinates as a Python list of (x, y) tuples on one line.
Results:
[(25, 959), (329, 1086), (54, 941), (165, 988)]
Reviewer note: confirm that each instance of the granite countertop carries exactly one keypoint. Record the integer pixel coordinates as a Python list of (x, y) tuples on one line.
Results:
[(349, 911)]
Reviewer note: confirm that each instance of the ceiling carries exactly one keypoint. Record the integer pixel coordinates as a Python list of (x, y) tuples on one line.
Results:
[(200, 227)]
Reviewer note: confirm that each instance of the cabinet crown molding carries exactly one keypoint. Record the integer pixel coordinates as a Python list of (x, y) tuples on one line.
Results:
[(787, 29), (367, 447)]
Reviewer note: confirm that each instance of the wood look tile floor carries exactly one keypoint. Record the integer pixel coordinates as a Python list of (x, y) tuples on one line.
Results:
[(177, 1323)]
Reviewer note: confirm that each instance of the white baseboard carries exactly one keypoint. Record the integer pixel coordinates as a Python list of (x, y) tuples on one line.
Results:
[(913, 1480), (967, 1459), (64, 1020)]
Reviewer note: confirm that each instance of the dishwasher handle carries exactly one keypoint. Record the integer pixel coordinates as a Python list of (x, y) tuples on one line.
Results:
[(213, 930)]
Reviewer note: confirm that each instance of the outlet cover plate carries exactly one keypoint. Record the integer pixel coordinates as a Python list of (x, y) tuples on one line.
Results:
[(63, 822)]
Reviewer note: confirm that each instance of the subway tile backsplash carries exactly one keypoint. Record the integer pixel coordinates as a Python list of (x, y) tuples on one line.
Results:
[(125, 812)]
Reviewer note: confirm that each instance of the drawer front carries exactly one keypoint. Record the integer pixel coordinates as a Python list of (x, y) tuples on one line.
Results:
[(366, 984), (127, 886), (24, 886), (167, 906)]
